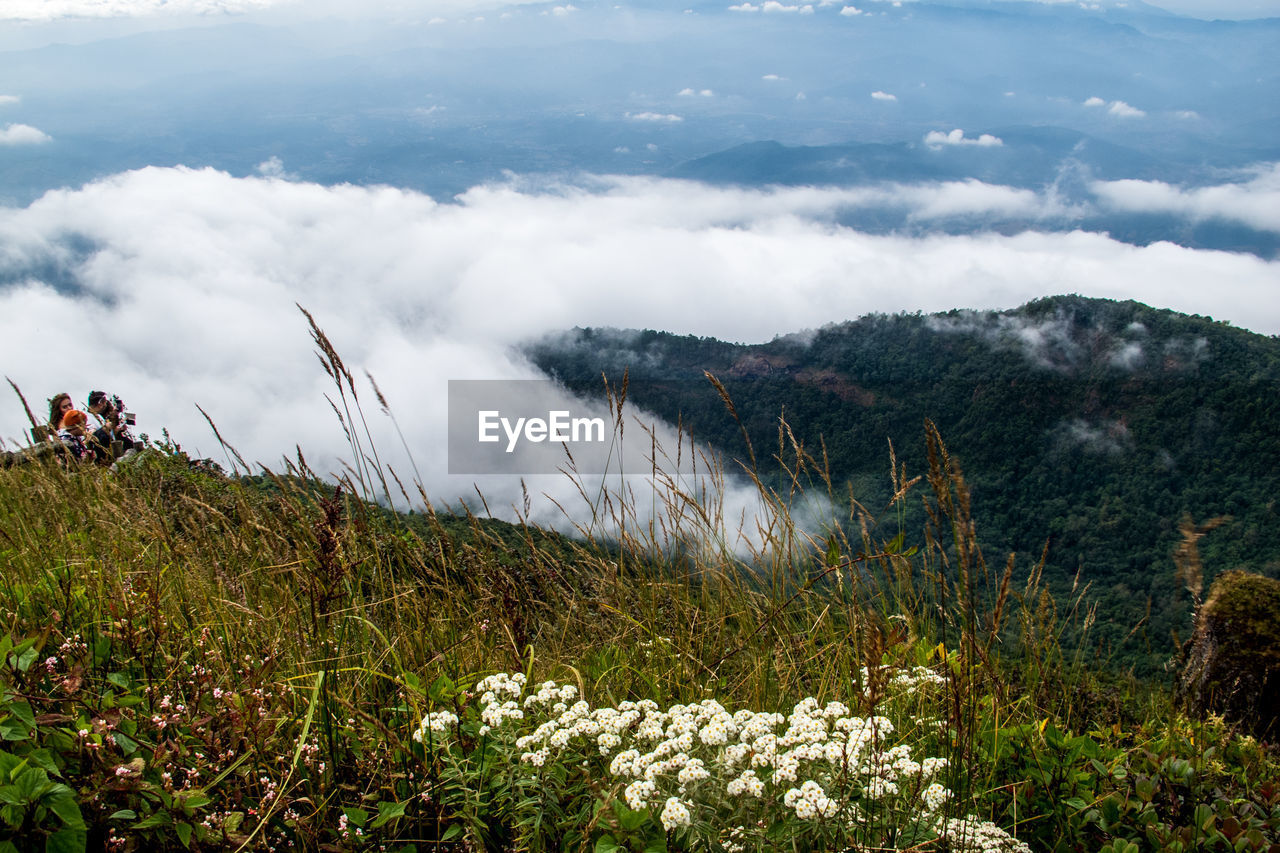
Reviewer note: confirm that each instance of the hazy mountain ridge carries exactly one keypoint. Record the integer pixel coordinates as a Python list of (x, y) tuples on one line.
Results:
[(441, 106), (1090, 424), (1062, 166)]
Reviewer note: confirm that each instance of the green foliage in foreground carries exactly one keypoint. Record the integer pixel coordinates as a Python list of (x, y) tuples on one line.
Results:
[(193, 662)]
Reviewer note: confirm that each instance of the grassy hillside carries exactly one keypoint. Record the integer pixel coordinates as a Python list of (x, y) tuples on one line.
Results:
[(1097, 429), (193, 661)]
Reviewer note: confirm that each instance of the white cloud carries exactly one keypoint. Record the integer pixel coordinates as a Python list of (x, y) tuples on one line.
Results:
[(744, 7), (49, 10), (1187, 115), (971, 197), (1123, 110), (1254, 202), (273, 167), (774, 7), (7, 100), (883, 96), (196, 273), (771, 77), (1109, 437), (439, 10), (691, 93), (657, 117), (23, 134), (850, 11), (936, 139), (1119, 109), (567, 9)]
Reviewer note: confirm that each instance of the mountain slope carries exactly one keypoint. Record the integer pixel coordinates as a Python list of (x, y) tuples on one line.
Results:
[(1094, 426)]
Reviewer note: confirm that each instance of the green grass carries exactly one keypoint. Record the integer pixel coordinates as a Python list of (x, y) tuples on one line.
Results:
[(196, 661)]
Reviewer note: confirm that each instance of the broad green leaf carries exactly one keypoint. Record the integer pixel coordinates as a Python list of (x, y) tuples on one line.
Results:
[(64, 805), (195, 800), (14, 730), (656, 844), (628, 819), (606, 844), (43, 759), (66, 841), (25, 659), (157, 819), (896, 545), (127, 745), (22, 710), (387, 811), (441, 689)]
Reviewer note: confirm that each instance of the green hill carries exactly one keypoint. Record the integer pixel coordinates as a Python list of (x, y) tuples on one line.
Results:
[(1094, 426)]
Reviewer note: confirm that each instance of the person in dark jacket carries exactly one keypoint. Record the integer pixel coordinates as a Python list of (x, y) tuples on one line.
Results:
[(114, 424)]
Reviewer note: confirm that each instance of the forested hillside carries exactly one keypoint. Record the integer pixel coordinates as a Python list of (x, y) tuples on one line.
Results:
[(1094, 426)]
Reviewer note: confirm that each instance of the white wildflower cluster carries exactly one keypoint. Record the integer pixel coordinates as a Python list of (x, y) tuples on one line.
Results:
[(810, 801), (498, 700), (970, 835), (666, 754), (913, 679), (674, 814), (435, 722), (690, 762)]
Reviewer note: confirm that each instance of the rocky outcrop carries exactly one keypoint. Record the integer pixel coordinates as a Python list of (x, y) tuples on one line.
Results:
[(1232, 665)]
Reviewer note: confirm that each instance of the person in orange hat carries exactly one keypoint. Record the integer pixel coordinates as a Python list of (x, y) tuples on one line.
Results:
[(73, 430)]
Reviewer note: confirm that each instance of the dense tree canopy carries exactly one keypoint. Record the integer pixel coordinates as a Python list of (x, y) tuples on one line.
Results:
[(1092, 425)]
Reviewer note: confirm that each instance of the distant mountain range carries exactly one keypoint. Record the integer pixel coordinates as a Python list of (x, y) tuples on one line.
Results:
[(749, 93), (1092, 425), (1058, 163)]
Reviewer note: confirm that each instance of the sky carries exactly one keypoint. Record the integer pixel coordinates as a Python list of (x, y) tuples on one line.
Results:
[(177, 285), (47, 10)]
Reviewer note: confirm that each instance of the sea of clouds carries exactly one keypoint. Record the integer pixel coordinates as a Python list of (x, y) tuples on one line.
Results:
[(175, 287)]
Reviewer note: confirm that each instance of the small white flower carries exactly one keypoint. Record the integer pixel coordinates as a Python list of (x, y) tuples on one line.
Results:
[(674, 814), (637, 794)]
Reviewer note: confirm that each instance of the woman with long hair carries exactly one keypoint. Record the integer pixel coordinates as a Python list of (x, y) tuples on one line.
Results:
[(59, 406)]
